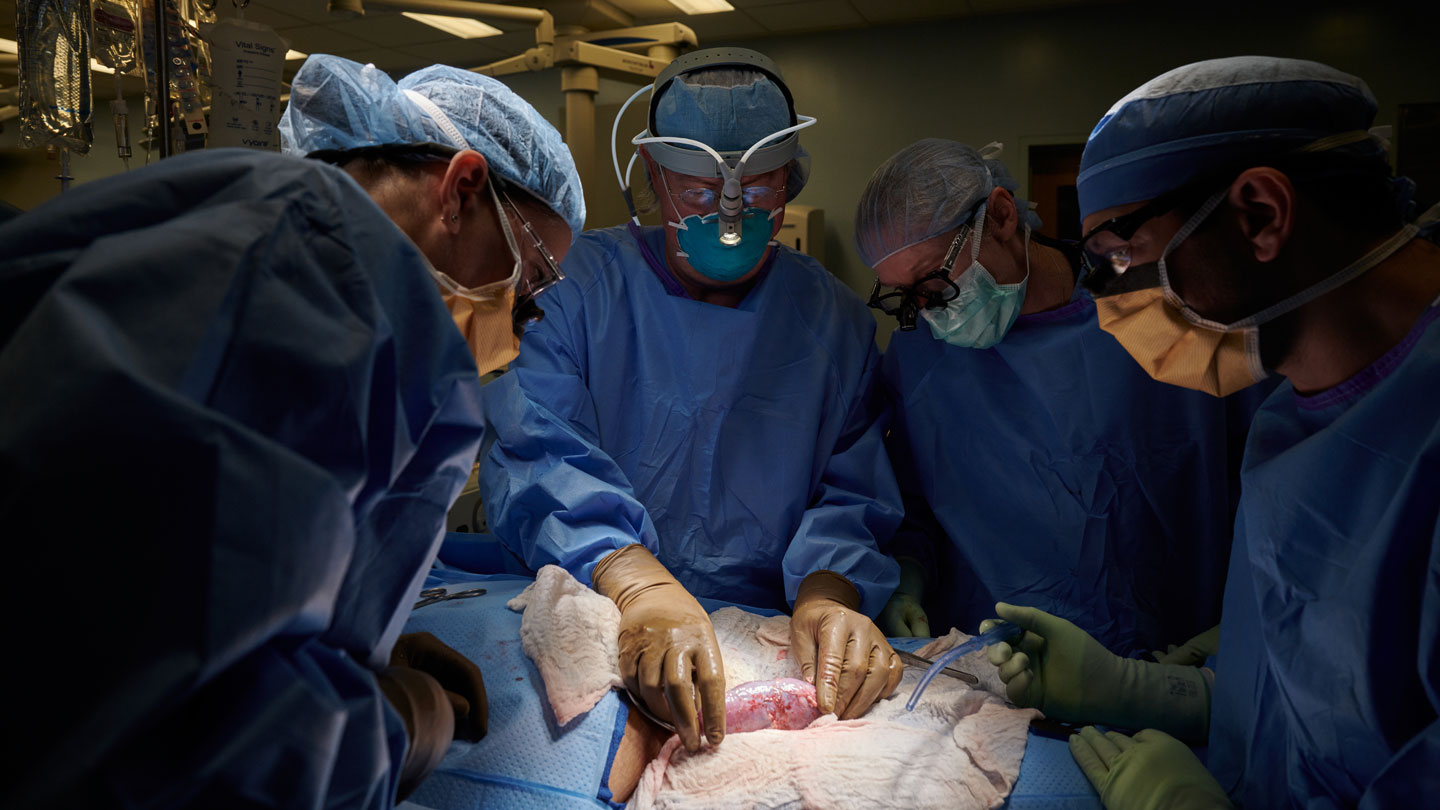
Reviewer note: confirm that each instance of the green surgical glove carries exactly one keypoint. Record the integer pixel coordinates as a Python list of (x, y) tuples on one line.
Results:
[(1150, 771), (1059, 669), (902, 616), (1193, 652)]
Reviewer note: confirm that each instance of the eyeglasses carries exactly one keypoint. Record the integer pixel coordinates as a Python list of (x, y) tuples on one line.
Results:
[(532, 284), (901, 302), (703, 199), (1105, 250)]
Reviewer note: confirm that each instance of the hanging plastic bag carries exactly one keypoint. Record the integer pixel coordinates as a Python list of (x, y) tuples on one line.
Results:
[(245, 94), (55, 105)]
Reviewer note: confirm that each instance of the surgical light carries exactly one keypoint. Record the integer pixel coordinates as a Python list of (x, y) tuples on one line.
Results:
[(462, 27), (702, 6)]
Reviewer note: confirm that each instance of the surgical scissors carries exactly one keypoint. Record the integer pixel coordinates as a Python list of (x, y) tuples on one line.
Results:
[(430, 596)]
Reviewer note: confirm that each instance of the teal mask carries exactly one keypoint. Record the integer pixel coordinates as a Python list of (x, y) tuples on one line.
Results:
[(699, 239), (984, 310)]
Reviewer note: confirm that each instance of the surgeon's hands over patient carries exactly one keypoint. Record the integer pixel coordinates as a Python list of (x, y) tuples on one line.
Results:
[(839, 649), (668, 654), (1149, 771), (439, 695), (1059, 669), (903, 616)]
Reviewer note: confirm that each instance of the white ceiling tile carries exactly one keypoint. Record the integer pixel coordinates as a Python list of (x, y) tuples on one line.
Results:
[(812, 15), (727, 25), (323, 39), (387, 59), (390, 30), (463, 53), (265, 15), (1004, 6), (312, 11), (886, 11)]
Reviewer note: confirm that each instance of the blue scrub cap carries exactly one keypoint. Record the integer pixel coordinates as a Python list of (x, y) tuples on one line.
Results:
[(928, 188), (1207, 115), (729, 109), (339, 104)]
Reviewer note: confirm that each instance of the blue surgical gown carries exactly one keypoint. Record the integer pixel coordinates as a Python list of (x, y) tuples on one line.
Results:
[(234, 414), (742, 446), (1051, 471), (1327, 686)]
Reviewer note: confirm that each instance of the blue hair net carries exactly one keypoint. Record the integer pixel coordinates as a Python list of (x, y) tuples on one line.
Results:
[(1209, 114), (339, 104), (927, 188)]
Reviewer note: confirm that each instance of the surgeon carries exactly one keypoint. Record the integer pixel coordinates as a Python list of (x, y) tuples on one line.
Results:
[(1241, 221), (697, 414), (237, 410), (1040, 464)]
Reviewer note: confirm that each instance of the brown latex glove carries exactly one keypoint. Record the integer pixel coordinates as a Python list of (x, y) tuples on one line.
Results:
[(429, 722), (458, 676), (839, 649), (668, 654)]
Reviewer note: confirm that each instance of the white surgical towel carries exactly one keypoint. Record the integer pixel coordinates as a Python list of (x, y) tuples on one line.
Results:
[(573, 635), (960, 748)]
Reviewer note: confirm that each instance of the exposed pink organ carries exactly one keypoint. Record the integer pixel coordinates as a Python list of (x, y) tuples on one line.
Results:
[(784, 703)]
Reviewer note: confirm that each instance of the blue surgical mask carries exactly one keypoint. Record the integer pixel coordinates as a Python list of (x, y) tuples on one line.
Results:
[(699, 238), (984, 310)]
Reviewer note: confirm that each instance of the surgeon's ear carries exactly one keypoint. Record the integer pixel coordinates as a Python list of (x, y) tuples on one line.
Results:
[(464, 179), (1263, 201), (1000, 210)]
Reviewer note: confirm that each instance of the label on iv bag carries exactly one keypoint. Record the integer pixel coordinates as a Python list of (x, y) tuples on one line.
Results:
[(245, 84)]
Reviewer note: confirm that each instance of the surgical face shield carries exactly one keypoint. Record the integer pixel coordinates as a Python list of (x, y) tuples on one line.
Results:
[(688, 156)]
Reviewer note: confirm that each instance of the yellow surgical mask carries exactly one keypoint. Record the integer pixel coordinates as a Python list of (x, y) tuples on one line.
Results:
[(1177, 345), (488, 327), (485, 314)]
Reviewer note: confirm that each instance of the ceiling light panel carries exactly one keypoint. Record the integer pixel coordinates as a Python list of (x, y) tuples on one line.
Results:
[(702, 6), (462, 27)]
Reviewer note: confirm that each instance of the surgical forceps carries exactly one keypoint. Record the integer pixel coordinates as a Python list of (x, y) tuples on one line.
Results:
[(430, 596)]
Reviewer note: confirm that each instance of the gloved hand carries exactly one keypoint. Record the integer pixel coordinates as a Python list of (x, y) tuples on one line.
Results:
[(459, 676), (839, 649), (439, 694), (429, 722), (1059, 669), (902, 616), (1149, 771), (668, 653), (1193, 652)]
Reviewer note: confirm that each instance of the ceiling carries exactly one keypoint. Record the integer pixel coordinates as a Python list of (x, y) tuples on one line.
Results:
[(396, 43)]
